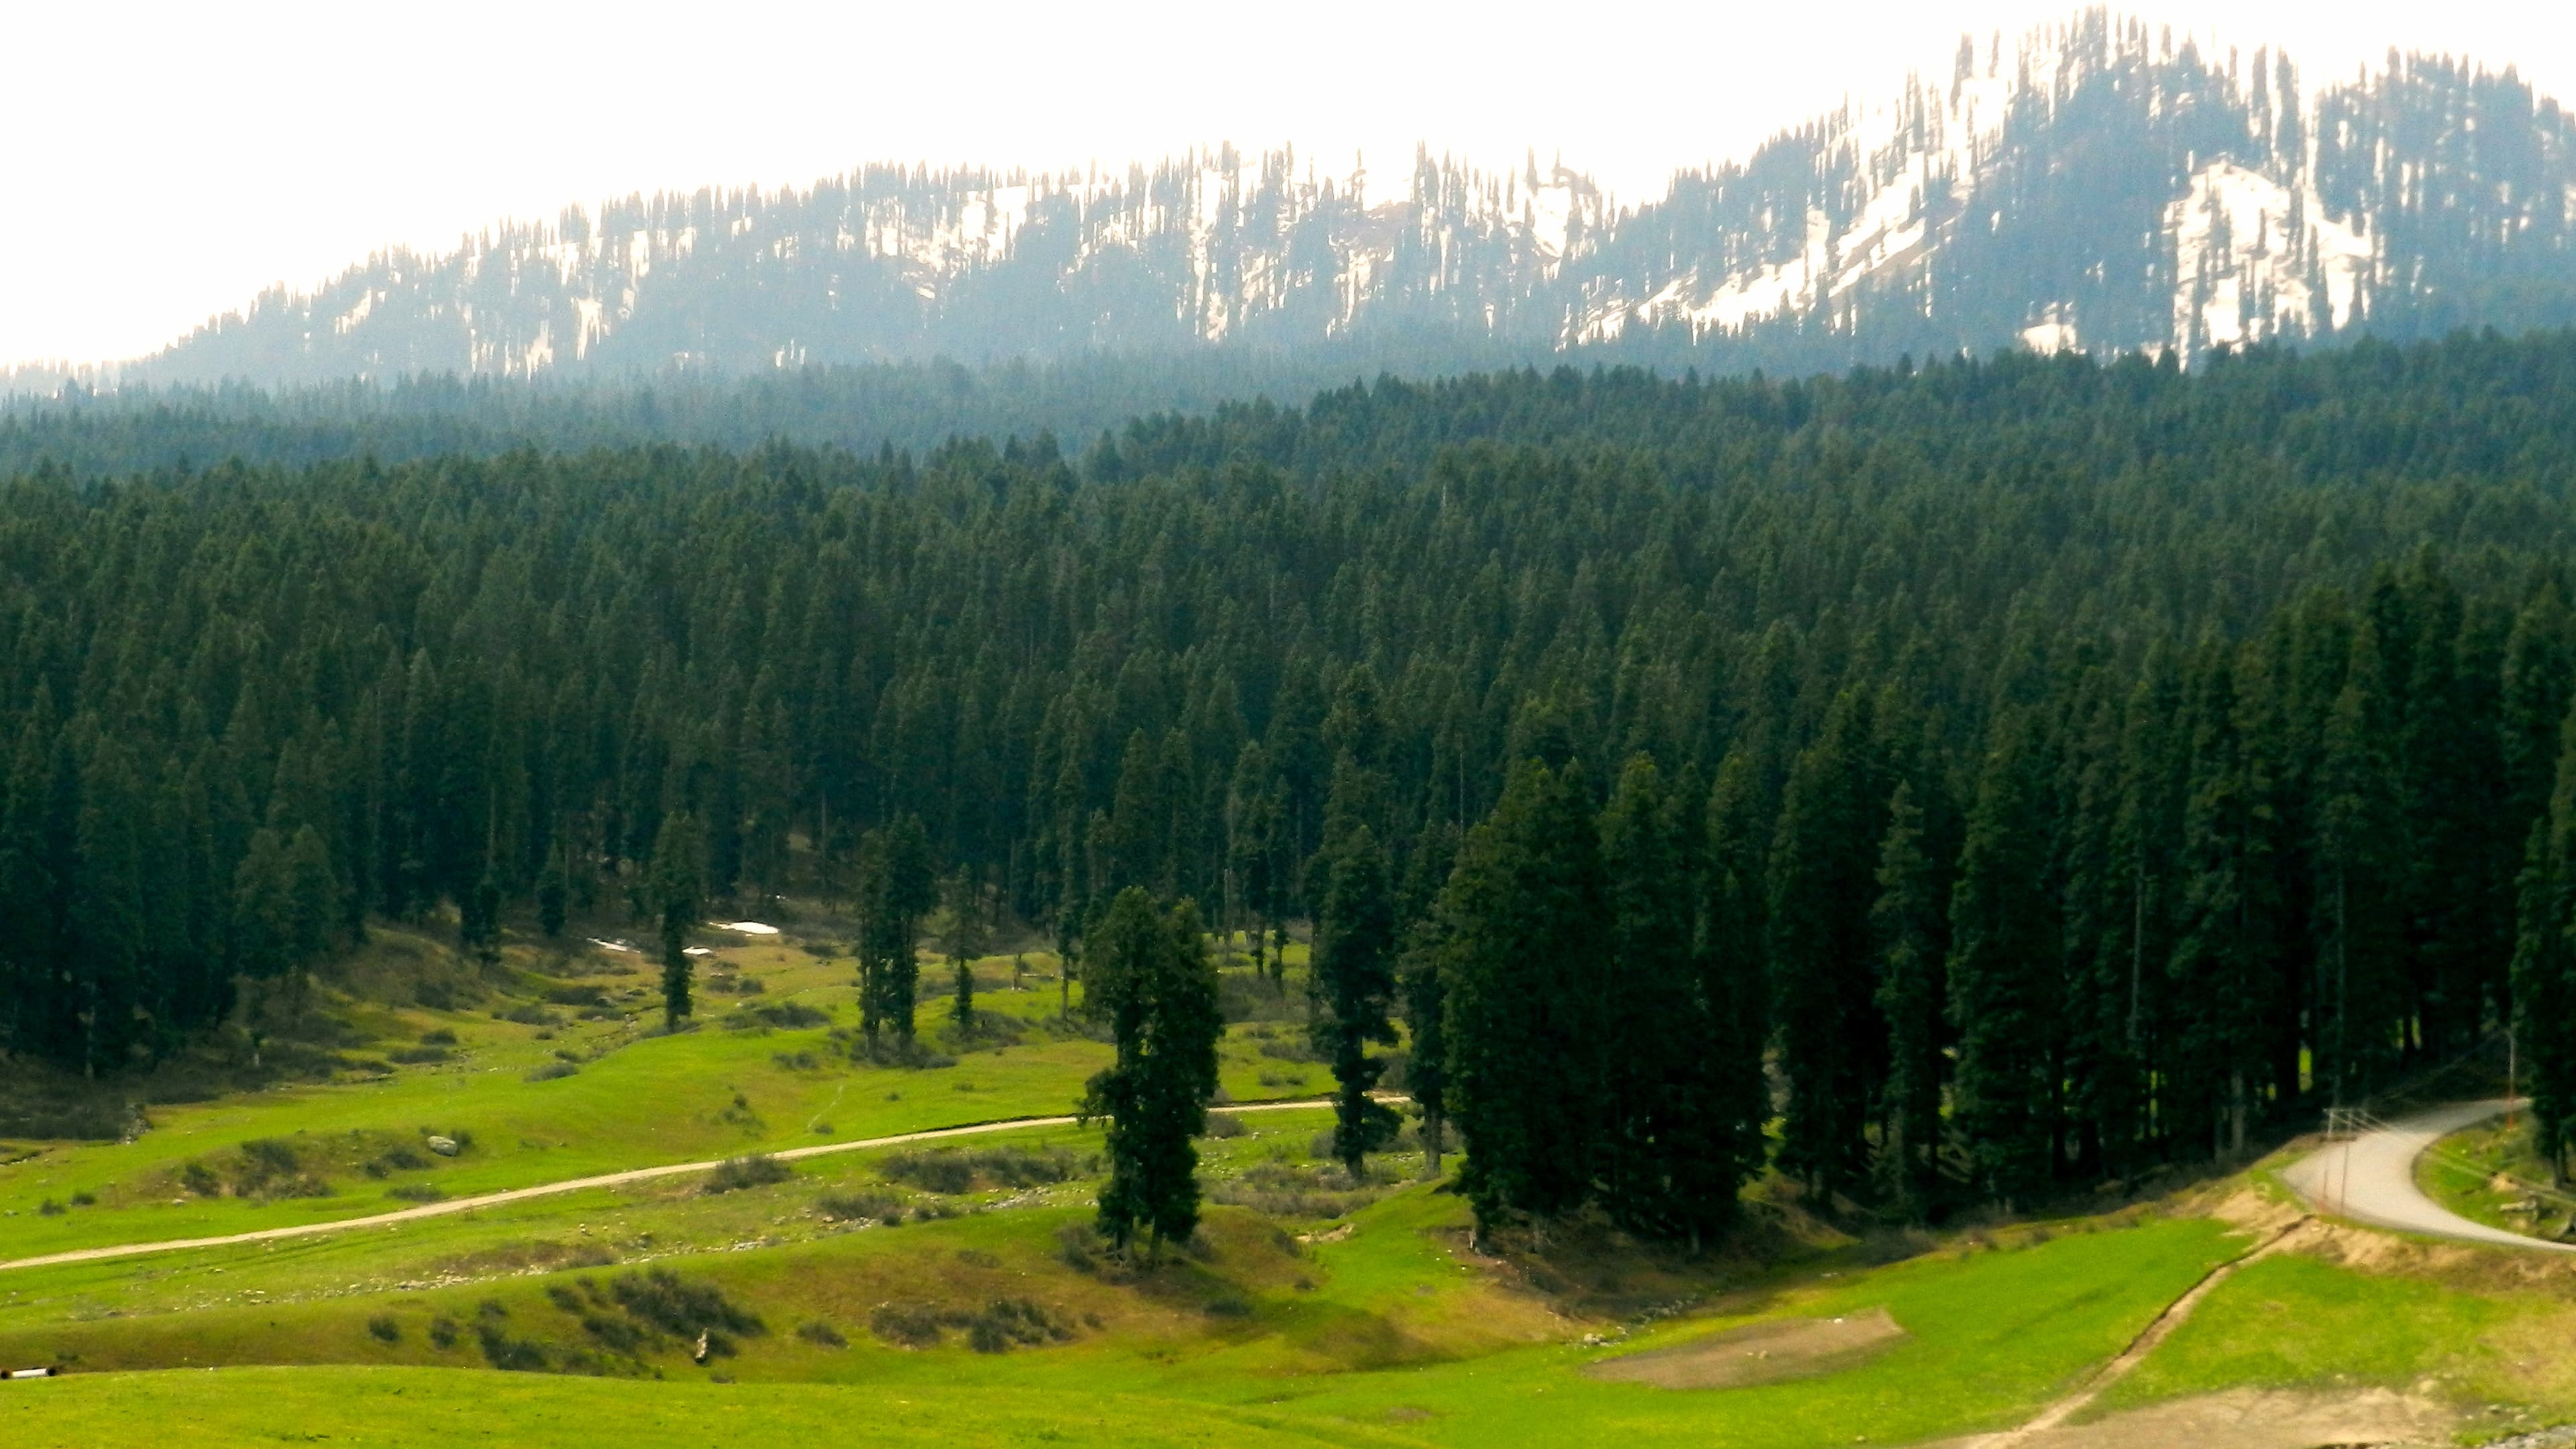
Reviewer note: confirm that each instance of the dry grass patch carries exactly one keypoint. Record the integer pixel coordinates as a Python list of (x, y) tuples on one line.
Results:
[(1759, 1353)]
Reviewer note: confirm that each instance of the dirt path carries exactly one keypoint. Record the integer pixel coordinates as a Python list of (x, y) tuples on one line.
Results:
[(577, 1184), (2371, 1179), (2145, 1343)]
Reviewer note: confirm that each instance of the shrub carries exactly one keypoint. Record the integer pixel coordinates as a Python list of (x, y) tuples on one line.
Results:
[(956, 1170), (416, 1192), (528, 1014), (994, 1328), (1290, 1190), (794, 1061), (438, 1036), (418, 1056), (84, 1199), (576, 996), (822, 1335), (758, 1170), (384, 1329), (783, 1016), (869, 1207), (50, 1209), (1224, 1124), (554, 1072), (442, 1332), (666, 1302), (200, 1179)]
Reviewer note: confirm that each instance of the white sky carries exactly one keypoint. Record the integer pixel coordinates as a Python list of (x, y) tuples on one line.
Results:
[(164, 162)]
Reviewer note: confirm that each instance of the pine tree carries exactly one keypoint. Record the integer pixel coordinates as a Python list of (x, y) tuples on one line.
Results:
[(1522, 922), (2544, 967), (2004, 973), (1823, 878), (1910, 921), (678, 901), (1353, 984), (2215, 969), (1671, 1155), (2360, 988), (1148, 975)]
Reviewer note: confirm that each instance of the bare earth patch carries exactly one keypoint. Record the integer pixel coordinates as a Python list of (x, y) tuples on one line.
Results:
[(2251, 1419), (1759, 1353)]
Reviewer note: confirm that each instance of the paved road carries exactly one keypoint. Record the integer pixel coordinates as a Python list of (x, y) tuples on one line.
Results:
[(577, 1184), (2371, 1179)]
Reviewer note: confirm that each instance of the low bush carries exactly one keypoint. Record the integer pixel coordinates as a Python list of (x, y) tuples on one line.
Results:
[(860, 1208), (416, 1192), (270, 1168), (553, 1071), (438, 1036), (1224, 1124), (419, 1056), (736, 1173), (1293, 1190), (956, 1170), (671, 1304), (383, 1328), (821, 1335), (997, 1327), (779, 1016)]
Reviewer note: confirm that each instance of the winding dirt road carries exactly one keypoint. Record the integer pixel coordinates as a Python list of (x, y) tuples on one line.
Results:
[(2371, 1179), (577, 1184)]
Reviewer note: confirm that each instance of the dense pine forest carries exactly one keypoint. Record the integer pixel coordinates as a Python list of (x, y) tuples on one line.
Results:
[(1982, 778)]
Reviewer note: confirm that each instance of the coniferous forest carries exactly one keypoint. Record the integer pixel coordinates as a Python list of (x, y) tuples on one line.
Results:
[(1947, 783)]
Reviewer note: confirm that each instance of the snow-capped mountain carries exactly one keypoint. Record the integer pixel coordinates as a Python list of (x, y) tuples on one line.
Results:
[(2095, 186)]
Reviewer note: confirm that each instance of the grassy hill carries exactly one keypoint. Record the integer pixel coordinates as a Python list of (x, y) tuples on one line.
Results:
[(951, 1292)]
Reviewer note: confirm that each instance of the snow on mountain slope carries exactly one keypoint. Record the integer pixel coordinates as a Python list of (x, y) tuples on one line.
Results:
[(2093, 185)]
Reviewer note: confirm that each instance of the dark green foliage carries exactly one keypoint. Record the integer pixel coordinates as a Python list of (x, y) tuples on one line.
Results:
[(1910, 922), (1354, 987), (2284, 636), (1677, 1135), (2006, 973), (1523, 958), (1823, 880), (678, 874), (2544, 967), (1149, 977), (898, 886)]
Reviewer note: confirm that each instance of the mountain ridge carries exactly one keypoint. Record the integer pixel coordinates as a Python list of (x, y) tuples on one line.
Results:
[(2091, 185)]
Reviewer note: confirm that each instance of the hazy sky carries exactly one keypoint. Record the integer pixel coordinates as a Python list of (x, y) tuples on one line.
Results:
[(165, 162)]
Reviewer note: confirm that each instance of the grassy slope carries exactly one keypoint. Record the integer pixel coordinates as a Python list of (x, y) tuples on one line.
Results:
[(1387, 1331), (2460, 1172), (637, 1100), (1387, 1335), (2438, 1328), (441, 1407)]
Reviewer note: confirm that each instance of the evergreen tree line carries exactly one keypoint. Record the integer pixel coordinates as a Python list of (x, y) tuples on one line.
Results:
[(2051, 768)]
